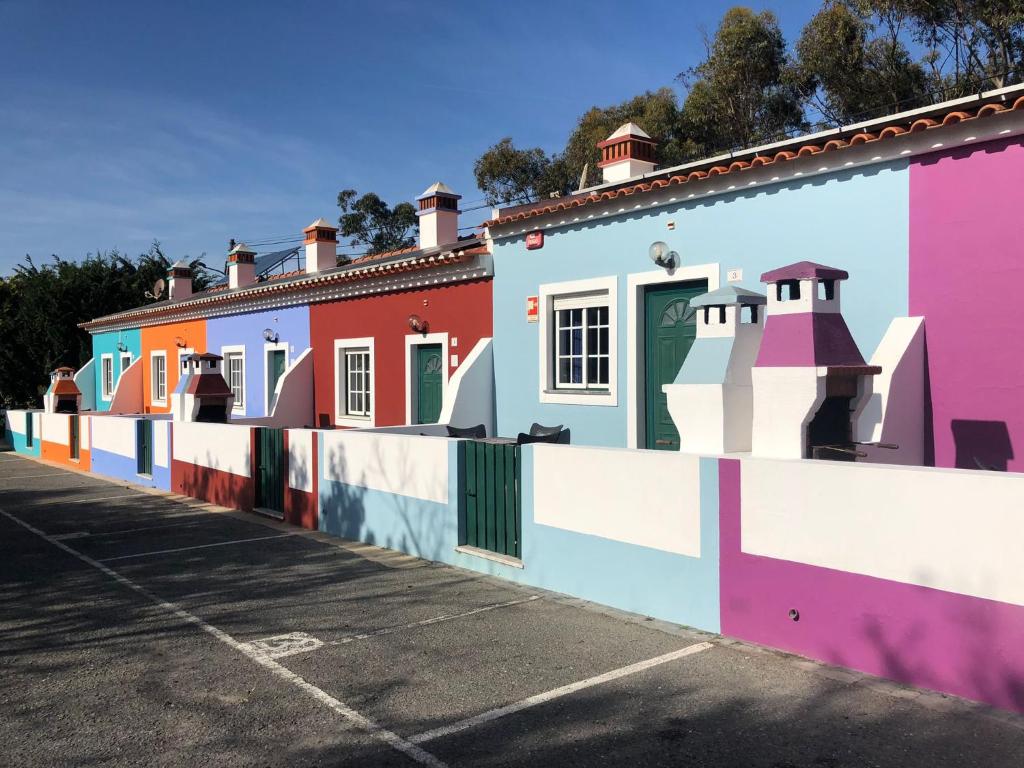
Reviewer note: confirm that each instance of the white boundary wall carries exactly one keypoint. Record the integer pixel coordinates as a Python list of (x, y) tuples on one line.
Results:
[(56, 428), (954, 530), (225, 447), (647, 498), (415, 466), (300, 459), (115, 435)]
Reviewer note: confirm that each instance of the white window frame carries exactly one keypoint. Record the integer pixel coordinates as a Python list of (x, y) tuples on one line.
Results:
[(636, 356), (153, 391), (412, 341), (106, 393), (341, 417), (227, 353), (124, 366), (268, 347), (597, 291), (584, 303)]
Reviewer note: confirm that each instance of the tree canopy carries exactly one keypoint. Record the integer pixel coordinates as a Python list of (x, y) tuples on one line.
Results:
[(369, 221)]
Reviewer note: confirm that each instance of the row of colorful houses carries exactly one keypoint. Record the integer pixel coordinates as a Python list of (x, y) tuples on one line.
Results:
[(791, 395)]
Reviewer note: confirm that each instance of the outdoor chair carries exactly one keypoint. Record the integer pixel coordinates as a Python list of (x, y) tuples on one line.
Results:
[(541, 434), (473, 433)]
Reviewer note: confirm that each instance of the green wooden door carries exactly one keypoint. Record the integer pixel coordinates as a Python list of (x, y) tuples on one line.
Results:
[(30, 436), (144, 447), (670, 329), (275, 370), (492, 511), (76, 437), (270, 469), (428, 383)]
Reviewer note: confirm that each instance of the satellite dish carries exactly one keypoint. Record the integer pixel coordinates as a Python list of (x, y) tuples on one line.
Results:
[(158, 289), (662, 255)]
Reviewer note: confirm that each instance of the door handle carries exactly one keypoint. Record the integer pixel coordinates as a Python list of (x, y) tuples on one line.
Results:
[(664, 442)]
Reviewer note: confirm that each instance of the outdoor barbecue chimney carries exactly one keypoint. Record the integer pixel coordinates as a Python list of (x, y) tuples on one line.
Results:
[(179, 281), (241, 266), (439, 216), (809, 371), (321, 240), (202, 394), (63, 395), (627, 153)]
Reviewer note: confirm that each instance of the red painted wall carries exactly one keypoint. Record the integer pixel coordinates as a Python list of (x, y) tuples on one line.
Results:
[(462, 311), (213, 485)]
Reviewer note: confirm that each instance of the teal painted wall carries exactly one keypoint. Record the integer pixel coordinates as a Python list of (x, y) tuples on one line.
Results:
[(857, 220), (106, 343)]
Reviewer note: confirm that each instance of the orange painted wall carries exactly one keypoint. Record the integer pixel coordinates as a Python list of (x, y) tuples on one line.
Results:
[(61, 454), (158, 338)]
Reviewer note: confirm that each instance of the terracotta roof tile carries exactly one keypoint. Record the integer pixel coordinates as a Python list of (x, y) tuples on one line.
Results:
[(759, 161)]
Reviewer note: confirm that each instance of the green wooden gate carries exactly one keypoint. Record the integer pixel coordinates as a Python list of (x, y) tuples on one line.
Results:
[(144, 447), (75, 443), (270, 469), (30, 436), (491, 505)]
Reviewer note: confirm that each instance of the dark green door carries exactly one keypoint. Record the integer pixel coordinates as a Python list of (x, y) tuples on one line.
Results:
[(428, 383), (144, 447), (270, 469), (76, 438), (492, 509), (30, 437), (670, 329), (275, 370)]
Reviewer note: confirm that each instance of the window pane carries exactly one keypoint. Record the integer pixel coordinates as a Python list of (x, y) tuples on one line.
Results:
[(577, 341), (591, 369), (577, 370), (602, 376), (563, 342)]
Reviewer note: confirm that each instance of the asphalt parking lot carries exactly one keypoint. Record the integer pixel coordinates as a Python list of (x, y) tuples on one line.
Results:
[(142, 629)]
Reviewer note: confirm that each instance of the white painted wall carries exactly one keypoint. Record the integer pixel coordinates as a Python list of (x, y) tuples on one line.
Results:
[(469, 397), (784, 402), (647, 498), (226, 447), (698, 411), (85, 380), (114, 434), (402, 464), (950, 529), (55, 428), (127, 397), (161, 443), (292, 405), (891, 408), (300, 460)]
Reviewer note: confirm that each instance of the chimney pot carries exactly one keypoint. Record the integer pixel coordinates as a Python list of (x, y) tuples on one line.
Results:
[(179, 281), (321, 243), (439, 216), (626, 154), (241, 266)]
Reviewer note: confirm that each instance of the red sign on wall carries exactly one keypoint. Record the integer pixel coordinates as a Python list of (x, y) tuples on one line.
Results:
[(532, 309), (534, 240)]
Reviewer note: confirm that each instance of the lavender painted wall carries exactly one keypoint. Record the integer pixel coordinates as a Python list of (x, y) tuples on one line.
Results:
[(926, 637), (291, 325), (964, 208)]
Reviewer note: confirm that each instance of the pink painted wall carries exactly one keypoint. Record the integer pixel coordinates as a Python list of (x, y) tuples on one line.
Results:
[(966, 267), (925, 637)]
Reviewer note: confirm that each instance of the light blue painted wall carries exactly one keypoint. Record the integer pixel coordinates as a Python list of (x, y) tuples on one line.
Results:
[(634, 578), (124, 468), (14, 430), (857, 220), (106, 343), (291, 325)]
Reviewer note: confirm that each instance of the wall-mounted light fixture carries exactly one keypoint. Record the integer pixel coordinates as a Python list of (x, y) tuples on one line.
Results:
[(662, 255), (269, 334), (122, 347), (418, 324), (179, 342)]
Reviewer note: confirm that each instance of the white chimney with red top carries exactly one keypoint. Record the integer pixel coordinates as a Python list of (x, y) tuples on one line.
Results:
[(321, 239), (626, 154), (179, 281), (241, 266), (439, 216)]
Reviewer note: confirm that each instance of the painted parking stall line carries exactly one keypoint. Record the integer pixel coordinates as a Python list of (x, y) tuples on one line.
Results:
[(557, 693), (349, 715), (198, 546)]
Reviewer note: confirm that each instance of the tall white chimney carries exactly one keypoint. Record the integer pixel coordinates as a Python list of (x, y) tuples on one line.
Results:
[(241, 266), (439, 216), (626, 154), (179, 281), (321, 246)]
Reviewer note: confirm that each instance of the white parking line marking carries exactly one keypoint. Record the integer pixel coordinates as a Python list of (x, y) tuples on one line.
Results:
[(435, 620), (58, 473), (565, 690), (281, 646), (393, 740), (64, 502), (197, 546), (119, 531)]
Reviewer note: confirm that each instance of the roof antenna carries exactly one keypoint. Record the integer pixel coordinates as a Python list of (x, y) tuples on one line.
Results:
[(231, 244)]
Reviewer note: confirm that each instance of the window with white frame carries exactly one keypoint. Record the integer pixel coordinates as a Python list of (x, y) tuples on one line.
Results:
[(357, 382), (353, 382), (234, 366), (158, 370), (107, 376), (581, 349), (126, 360)]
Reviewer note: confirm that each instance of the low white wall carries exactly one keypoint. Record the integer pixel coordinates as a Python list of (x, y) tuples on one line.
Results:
[(955, 530), (114, 434), (161, 442), (434, 430), (55, 428), (402, 464), (300, 459), (469, 398), (226, 447), (647, 498)]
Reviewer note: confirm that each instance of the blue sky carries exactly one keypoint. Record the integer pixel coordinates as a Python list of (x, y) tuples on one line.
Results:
[(194, 122)]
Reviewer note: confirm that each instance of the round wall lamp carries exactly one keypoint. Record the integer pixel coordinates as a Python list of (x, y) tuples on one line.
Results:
[(418, 324), (179, 342), (662, 255), (269, 334)]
